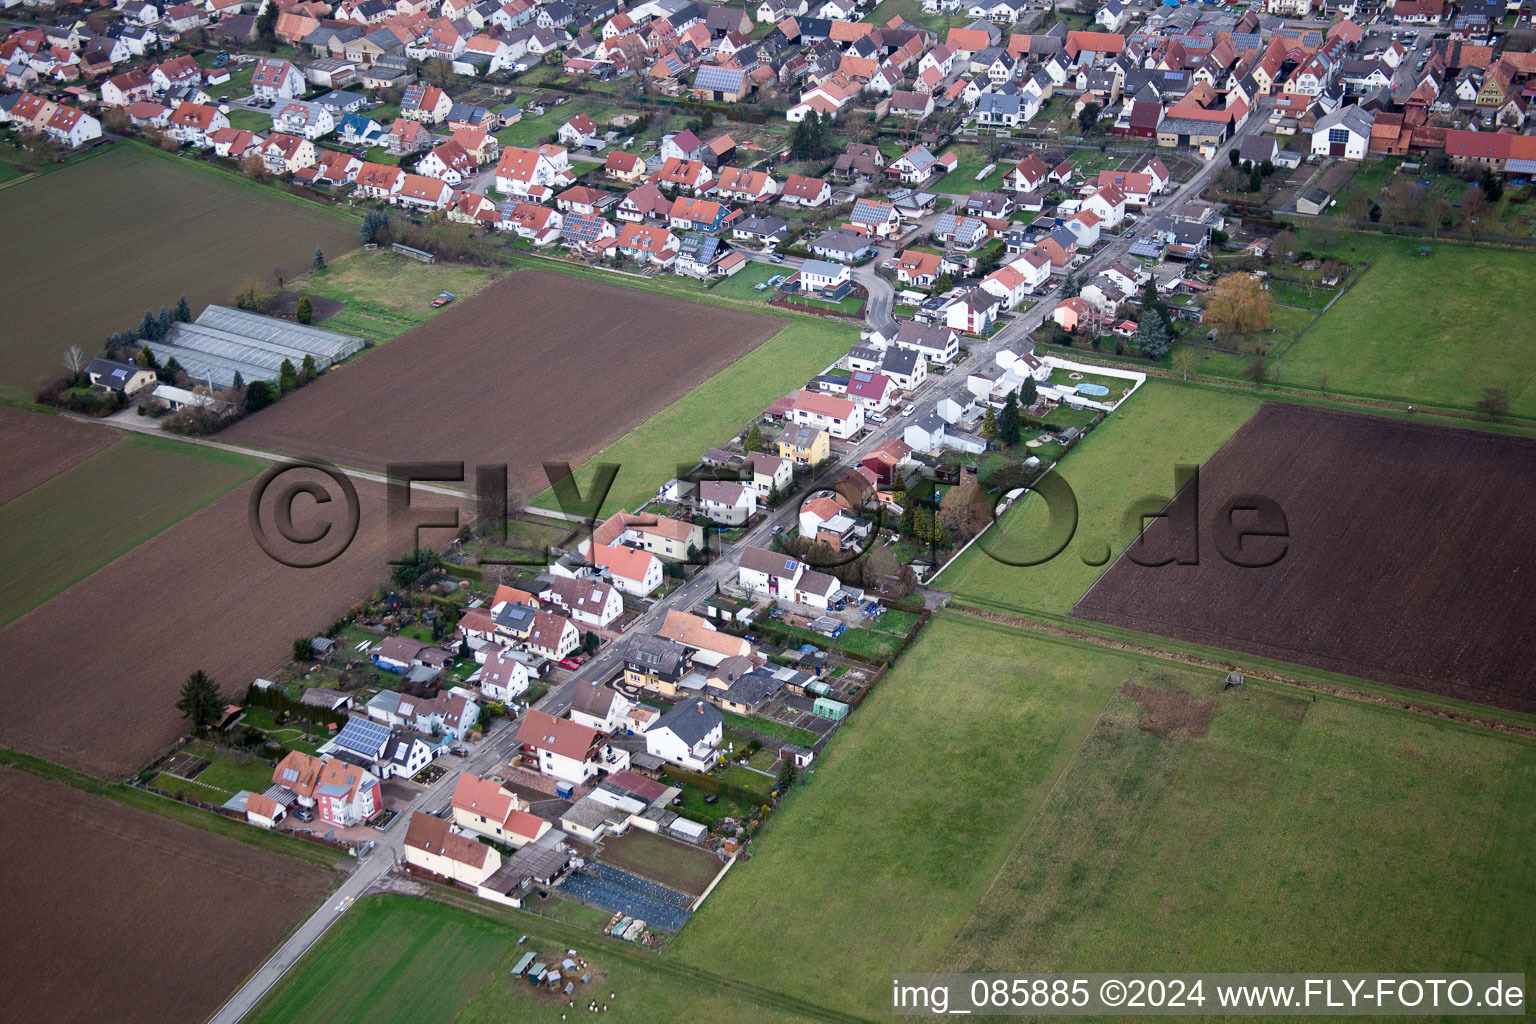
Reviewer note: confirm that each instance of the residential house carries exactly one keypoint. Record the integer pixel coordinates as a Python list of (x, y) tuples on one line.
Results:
[(726, 502), (425, 103), (688, 735), (422, 192), (974, 312), (875, 218), (378, 181), (588, 602), (657, 664), (276, 79), (502, 676), (803, 191), (839, 417), (127, 379), (633, 570), (485, 807), (648, 245), (193, 123), (566, 750), (709, 645), (1344, 132), (918, 269), (804, 446), (432, 846), (667, 538), (535, 173)]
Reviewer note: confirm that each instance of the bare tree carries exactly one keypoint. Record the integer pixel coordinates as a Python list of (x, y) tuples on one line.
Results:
[(1408, 198), (1494, 403), (1474, 209), (1184, 362), (1238, 304), (74, 360)]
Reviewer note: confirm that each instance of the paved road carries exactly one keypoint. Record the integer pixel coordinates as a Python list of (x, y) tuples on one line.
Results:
[(492, 752), (498, 746)]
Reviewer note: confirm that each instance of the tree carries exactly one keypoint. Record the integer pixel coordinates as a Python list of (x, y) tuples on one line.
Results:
[(1257, 371), (200, 702), (253, 295), (183, 311), (259, 394), (1408, 198), (754, 441), (1474, 209), (149, 327), (238, 383), (1071, 287), (1009, 426), (171, 369), (1284, 246), (309, 369), (590, 643), (1233, 157), (254, 167), (147, 358), (965, 511), (287, 377), (74, 361), (437, 71), (304, 312), (374, 221), (1152, 338), (788, 772), (1238, 304), (1494, 403), (1029, 393), (266, 21), (1184, 362), (989, 425), (1088, 117), (416, 565), (1492, 185), (319, 262), (303, 650), (1255, 180), (163, 320)]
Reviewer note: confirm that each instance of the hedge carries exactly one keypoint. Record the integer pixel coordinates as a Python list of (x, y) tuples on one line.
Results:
[(710, 784)]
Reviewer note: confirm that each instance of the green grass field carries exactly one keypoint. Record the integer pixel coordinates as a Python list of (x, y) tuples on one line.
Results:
[(386, 294), (962, 180), (400, 960), (713, 412), (1434, 329), (209, 231), (913, 12), (1035, 827), (250, 120), (743, 284), (532, 130), (1111, 475), (74, 523)]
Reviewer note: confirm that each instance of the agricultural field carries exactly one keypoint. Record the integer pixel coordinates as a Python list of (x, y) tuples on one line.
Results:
[(554, 376), (39, 446), (119, 914), (161, 227), (1086, 809), (205, 581), (441, 964), (1120, 467), (383, 294), (1434, 329), (684, 868), (1361, 584), (714, 411), (67, 527)]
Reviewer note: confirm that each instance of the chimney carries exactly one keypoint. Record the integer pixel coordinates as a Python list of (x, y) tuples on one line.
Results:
[(701, 707)]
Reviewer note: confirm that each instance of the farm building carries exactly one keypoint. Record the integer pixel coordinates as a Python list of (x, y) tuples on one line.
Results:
[(224, 341)]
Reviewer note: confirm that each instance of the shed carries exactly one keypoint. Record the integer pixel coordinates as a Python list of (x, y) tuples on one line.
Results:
[(522, 964), (683, 828), (826, 707)]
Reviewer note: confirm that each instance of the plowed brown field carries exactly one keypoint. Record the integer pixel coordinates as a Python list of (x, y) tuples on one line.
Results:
[(1408, 559)]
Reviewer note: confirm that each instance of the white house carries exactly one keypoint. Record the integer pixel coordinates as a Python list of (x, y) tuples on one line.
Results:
[(632, 570), (599, 706), (688, 735), (726, 502), (839, 417), (1343, 132), (484, 807), (276, 79), (587, 602), (566, 750), (502, 677)]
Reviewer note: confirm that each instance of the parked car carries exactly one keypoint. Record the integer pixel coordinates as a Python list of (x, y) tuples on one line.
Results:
[(304, 814), (876, 417), (570, 663), (776, 258), (443, 298), (909, 410)]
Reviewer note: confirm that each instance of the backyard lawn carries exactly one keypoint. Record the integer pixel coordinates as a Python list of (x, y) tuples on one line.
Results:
[(72, 524), (743, 284), (531, 130), (1039, 827), (712, 413), (973, 159), (250, 120), (1113, 471)]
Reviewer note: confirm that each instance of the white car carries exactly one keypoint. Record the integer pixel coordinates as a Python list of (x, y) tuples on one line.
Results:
[(909, 410)]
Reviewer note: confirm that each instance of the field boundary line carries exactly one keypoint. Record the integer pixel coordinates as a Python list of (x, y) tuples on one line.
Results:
[(1267, 675)]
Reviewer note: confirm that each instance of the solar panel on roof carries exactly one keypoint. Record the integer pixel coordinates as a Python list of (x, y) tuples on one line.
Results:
[(725, 79), (362, 736)]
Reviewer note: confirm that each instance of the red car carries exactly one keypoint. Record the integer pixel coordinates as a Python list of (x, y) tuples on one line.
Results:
[(570, 663)]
